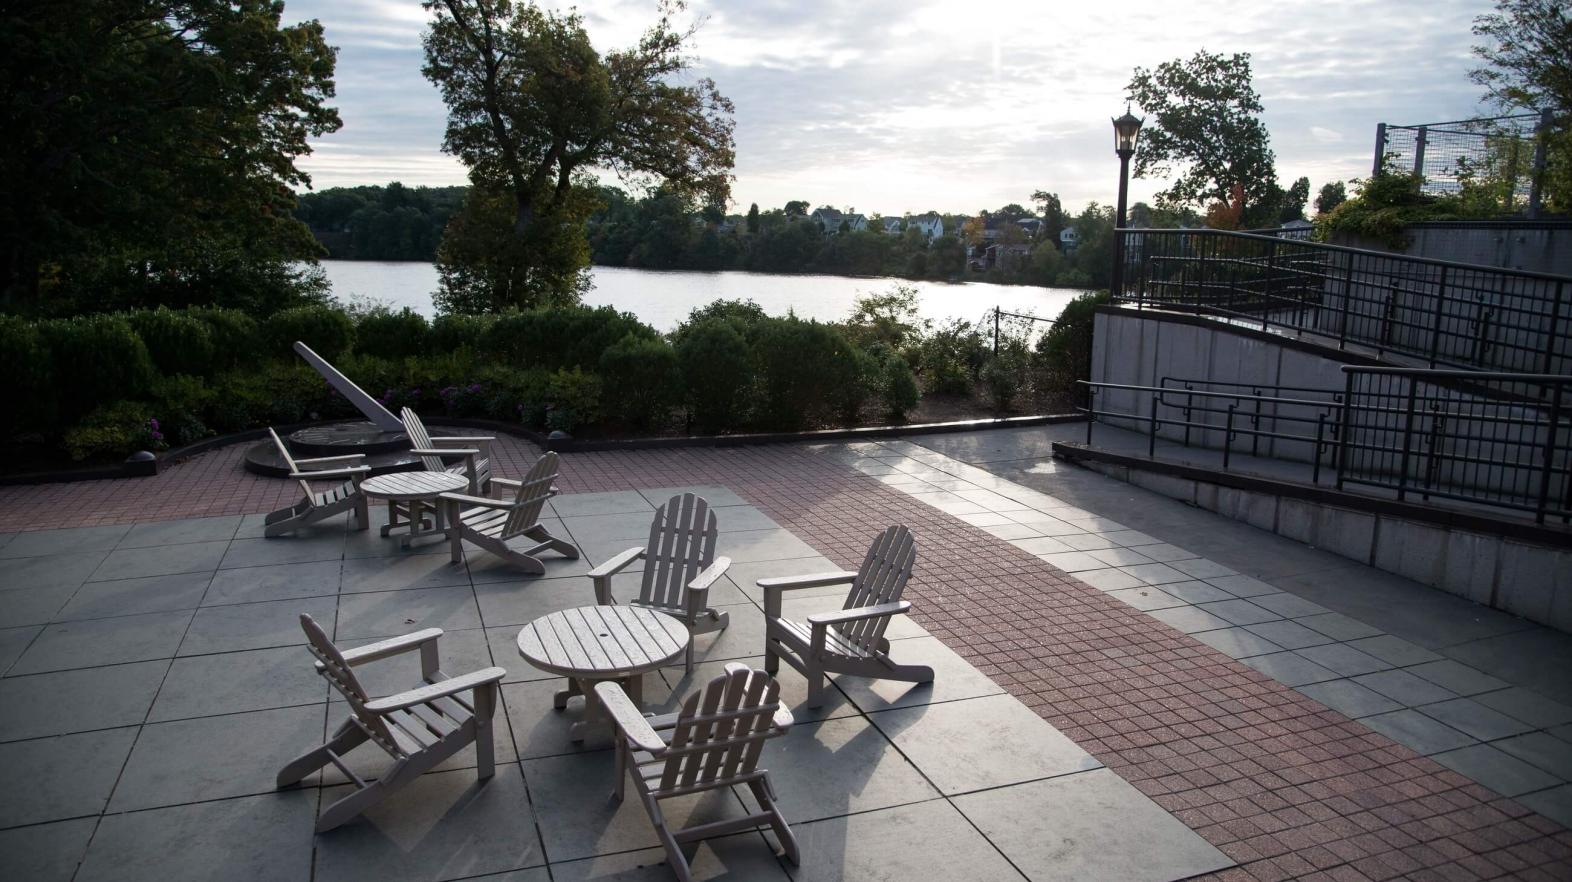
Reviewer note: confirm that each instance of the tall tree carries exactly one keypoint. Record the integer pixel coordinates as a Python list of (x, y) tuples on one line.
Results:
[(1203, 125), (1331, 196), (532, 107), (149, 152), (1528, 67), (1052, 211), (753, 218), (1293, 205)]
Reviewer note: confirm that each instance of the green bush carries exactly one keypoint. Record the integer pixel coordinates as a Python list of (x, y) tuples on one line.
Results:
[(809, 372), (642, 377), (97, 359), (236, 336), (743, 316), (115, 431), (273, 394), (950, 358), (181, 404), (326, 329), (177, 342), (718, 369), (27, 392), (383, 333), (897, 387), (453, 333), (1005, 375), (572, 399), (560, 337), (1064, 354)]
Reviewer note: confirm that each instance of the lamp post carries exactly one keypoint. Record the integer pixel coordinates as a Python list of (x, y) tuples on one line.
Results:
[(1126, 129)]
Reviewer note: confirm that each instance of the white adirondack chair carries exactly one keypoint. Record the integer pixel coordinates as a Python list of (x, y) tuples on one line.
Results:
[(679, 567), (316, 505), (476, 450), (714, 741), (850, 641), (490, 523), (418, 728)]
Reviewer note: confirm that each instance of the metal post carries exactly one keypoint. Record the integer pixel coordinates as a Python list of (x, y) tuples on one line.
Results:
[(1408, 436), (1346, 435), (1124, 192), (1536, 186), (1435, 336), (1380, 149), (1550, 330), (1228, 435), (1320, 432), (1348, 296), (1271, 273), (1091, 411), (1550, 454), (1151, 440), (1419, 152)]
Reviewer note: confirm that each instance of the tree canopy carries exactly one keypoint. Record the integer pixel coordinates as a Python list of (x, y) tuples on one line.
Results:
[(533, 107), (1203, 125), (150, 152)]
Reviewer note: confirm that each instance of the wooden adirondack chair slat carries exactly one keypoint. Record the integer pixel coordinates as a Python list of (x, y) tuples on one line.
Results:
[(314, 504), (493, 525), (476, 467)]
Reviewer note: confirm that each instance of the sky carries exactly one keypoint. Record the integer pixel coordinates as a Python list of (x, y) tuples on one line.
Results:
[(955, 105)]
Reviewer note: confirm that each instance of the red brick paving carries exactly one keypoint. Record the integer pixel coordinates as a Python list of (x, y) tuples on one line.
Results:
[(1281, 784)]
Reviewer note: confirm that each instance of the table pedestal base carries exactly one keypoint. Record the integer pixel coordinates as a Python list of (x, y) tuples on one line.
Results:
[(595, 716), (419, 523)]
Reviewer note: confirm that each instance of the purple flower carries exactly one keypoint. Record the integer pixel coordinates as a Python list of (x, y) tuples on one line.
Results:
[(153, 424)]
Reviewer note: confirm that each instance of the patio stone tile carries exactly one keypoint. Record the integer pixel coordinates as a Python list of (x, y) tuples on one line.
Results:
[(1047, 525), (793, 694), (835, 767), (256, 625), (389, 613), (279, 582), (49, 571), (1042, 545), (979, 743), (122, 597), (539, 730), (762, 545), (51, 779), (1237, 611), (746, 574), (881, 845), (1418, 731), (1343, 659), (1459, 678), (181, 531), (1146, 598), (1201, 568), (1395, 650), (1404, 687), (1137, 539), (987, 519), (718, 496), (33, 606), (577, 504), (1470, 716), (215, 757), (1350, 698), (74, 540), (435, 570), (263, 838), (45, 853), (78, 701), (1197, 592), (743, 856), (1554, 804), (1009, 529), (1156, 573), (1544, 751), (1098, 828), (1338, 626), (630, 528), (486, 567), (232, 682), (521, 601), (1073, 561), (1528, 706), (1289, 635), (1241, 586), (1095, 524), (1237, 642), (1120, 557), (1162, 552), (13, 641), (580, 820), (1084, 541), (743, 636), (1501, 772), (1289, 668), (1188, 619), (953, 678), (86, 644), (1290, 606), (294, 548)]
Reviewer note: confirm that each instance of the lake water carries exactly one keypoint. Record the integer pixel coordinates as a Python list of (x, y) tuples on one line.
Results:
[(663, 299)]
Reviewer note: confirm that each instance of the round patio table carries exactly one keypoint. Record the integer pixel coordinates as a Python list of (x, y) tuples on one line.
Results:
[(410, 493), (597, 644)]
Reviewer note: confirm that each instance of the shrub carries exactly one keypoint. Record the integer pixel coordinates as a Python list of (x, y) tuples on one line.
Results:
[(273, 394), (383, 333), (560, 337), (809, 373), (97, 359), (890, 318), (898, 388), (236, 336), (1005, 374), (27, 392), (181, 404), (114, 431), (452, 333), (742, 315), (326, 329), (572, 400), (1064, 354), (177, 342), (466, 400), (643, 378), (718, 369), (950, 358)]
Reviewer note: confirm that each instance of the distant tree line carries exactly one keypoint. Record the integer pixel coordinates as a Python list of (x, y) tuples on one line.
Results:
[(380, 223)]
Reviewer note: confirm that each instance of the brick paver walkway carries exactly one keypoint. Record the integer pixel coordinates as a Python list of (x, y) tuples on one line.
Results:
[(1284, 786)]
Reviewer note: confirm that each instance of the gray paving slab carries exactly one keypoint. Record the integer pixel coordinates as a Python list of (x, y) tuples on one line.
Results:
[(573, 504), (1394, 650), (1143, 541), (1097, 826), (232, 682), (122, 597), (521, 601), (1338, 626), (1422, 733), (434, 570), (1110, 579), (1076, 538), (75, 540), (1290, 606), (1528, 706), (1197, 592), (1237, 642), (961, 745), (1162, 552), (1157, 573), (1146, 597), (49, 571), (1289, 635), (1496, 769), (86, 644), (1407, 609), (263, 838), (1009, 529), (1470, 716), (1537, 658), (1405, 687), (1201, 568), (1121, 557), (540, 731), (1542, 750), (1189, 619), (390, 613), (745, 575), (1050, 545), (1343, 659), (14, 641), (45, 852), (1237, 611), (1075, 561), (1290, 669), (295, 548), (255, 625), (1350, 698), (51, 779), (985, 519), (793, 688), (1241, 586), (881, 845), (279, 582), (1555, 804), (1458, 677), (486, 567), (181, 531), (953, 678), (839, 766), (33, 606), (744, 856), (78, 701)]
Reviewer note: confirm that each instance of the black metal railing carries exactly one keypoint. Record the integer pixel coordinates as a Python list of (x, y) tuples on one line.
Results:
[(1492, 439), (1505, 154), (1441, 313)]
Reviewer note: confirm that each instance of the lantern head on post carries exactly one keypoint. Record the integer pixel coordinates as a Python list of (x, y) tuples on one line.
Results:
[(1126, 129)]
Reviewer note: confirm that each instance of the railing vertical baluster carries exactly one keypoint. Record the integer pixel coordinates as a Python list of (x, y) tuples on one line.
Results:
[(1091, 412), (1551, 432), (1345, 437), (1189, 405), (1408, 436), (1435, 336), (1255, 424), (1151, 441), (1547, 366), (1271, 274), (1228, 435), (1320, 433), (1348, 297)]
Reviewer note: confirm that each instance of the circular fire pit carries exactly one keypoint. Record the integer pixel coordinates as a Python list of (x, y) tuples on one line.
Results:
[(384, 451)]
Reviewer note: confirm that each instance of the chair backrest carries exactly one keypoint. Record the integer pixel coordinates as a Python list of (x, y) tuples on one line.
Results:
[(534, 490), (283, 453), (681, 545), (342, 676), (420, 439), (721, 730), (881, 579)]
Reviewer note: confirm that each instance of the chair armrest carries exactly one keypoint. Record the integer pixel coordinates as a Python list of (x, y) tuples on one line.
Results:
[(705, 579), (463, 439), (440, 689), (444, 451), (857, 614), (783, 720), (331, 473), (774, 587), (507, 482), (629, 721), (617, 564), (348, 457), (478, 501), (391, 646)]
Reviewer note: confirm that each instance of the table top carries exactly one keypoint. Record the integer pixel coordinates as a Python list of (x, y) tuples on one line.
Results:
[(606, 641), (413, 485)]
